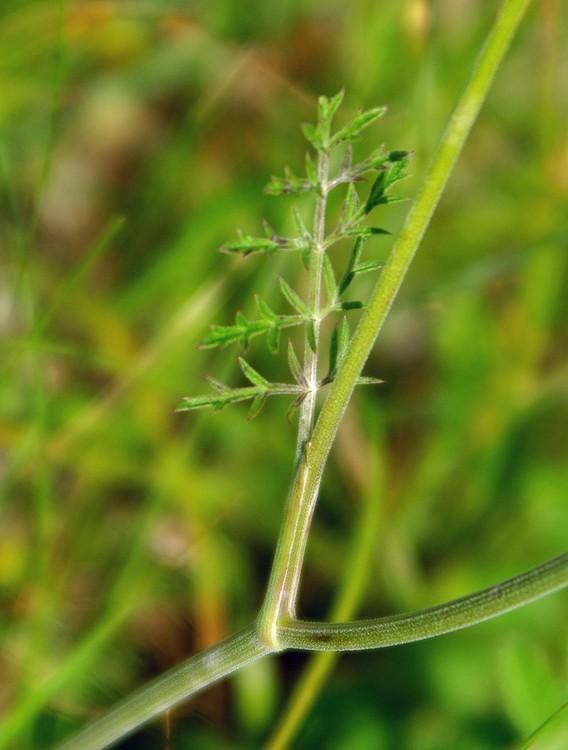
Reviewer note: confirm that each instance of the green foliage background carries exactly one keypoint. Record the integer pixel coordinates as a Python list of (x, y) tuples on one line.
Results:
[(135, 138)]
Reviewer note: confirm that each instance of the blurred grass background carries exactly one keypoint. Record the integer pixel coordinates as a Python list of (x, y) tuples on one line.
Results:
[(135, 137)]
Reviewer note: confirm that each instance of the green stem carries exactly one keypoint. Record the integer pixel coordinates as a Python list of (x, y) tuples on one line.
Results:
[(177, 685), (204, 669), (311, 351), (426, 623), (355, 575), (284, 582), (417, 221), (286, 567), (289, 556)]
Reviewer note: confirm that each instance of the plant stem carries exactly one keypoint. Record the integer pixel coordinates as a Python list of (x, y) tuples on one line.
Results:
[(288, 560), (282, 589), (405, 248), (426, 623), (356, 572), (180, 683), (311, 348)]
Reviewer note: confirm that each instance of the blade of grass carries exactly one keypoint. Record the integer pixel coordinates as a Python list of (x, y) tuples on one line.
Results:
[(552, 735)]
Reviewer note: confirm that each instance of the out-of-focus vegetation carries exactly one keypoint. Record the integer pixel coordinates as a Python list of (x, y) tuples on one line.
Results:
[(135, 137)]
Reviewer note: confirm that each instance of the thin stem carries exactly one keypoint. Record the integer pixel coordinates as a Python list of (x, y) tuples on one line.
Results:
[(426, 623), (552, 734), (288, 560), (282, 589), (182, 682), (311, 349), (403, 252), (355, 574), (284, 578)]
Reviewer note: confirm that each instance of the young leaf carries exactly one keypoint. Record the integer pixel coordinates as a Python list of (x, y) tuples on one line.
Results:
[(333, 353), (365, 231), (217, 401), (294, 299), (218, 385), (395, 171), (252, 375), (289, 184), (257, 405), (197, 402), (312, 172), (311, 334), (246, 244), (274, 321), (351, 209), (273, 339), (347, 159), (301, 227), (330, 282), (353, 261), (221, 336), (371, 265), (328, 107), (295, 367), (295, 405), (265, 311), (313, 135), (352, 131), (365, 380)]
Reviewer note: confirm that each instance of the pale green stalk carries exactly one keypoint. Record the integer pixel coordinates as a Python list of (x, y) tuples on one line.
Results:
[(355, 575), (177, 685), (206, 668), (307, 411), (289, 556), (426, 623), (282, 591), (408, 241)]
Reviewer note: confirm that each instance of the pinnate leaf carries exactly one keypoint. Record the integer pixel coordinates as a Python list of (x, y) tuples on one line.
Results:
[(294, 299), (327, 107), (352, 131), (395, 170), (313, 135), (247, 244)]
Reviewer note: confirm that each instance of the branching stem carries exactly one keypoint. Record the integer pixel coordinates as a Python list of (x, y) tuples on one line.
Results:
[(206, 668), (276, 628), (426, 623), (311, 344), (282, 590)]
